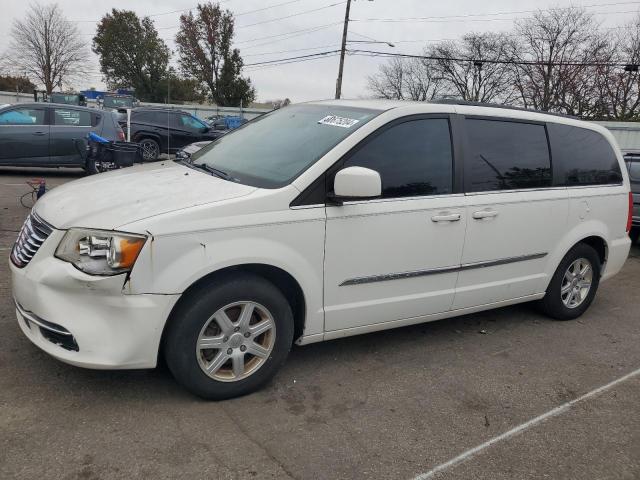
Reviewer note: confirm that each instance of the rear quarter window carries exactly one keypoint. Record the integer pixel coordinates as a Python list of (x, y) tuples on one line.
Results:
[(582, 157)]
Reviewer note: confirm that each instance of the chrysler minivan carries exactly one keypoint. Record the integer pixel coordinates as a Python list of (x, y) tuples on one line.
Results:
[(319, 221)]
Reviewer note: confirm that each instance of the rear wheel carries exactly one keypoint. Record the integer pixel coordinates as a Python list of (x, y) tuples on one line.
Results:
[(230, 337), (150, 149), (574, 284)]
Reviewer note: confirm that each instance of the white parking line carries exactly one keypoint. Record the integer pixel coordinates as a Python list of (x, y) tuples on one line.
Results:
[(522, 427)]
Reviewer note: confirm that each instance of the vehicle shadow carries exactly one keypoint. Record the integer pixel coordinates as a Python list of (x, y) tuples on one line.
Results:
[(44, 172), (308, 363)]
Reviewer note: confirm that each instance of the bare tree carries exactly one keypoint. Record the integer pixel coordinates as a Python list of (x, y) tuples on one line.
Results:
[(469, 71), (47, 47), (405, 79), (619, 90), (551, 52)]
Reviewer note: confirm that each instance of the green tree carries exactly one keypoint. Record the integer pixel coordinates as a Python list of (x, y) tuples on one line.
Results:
[(131, 54), (204, 45), (13, 84), (180, 90)]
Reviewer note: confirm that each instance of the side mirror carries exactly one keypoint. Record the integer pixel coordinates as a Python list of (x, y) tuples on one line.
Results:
[(353, 183)]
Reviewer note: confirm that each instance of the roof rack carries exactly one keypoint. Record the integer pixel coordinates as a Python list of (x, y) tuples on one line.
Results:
[(451, 101), (157, 107)]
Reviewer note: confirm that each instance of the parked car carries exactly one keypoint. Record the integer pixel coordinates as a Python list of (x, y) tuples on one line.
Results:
[(50, 135), (165, 130), (633, 166), (224, 124), (68, 99), (316, 222), (186, 152), (117, 103)]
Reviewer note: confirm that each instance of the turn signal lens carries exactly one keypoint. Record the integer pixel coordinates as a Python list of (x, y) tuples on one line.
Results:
[(124, 252)]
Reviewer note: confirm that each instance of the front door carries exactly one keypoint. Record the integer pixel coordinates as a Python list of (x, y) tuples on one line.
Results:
[(186, 130), (396, 257), (24, 136), (515, 218)]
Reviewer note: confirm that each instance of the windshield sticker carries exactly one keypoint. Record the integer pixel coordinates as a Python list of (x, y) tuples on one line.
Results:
[(336, 121)]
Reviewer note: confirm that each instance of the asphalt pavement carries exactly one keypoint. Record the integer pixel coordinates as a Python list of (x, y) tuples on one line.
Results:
[(387, 405)]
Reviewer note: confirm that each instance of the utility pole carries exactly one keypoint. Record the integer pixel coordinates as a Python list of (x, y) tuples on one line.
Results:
[(343, 51)]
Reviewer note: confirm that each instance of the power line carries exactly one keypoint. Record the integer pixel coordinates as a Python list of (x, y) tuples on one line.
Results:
[(299, 57), (290, 51), (373, 53), (272, 19), (273, 65), (294, 33), (477, 20), (468, 15), (292, 15), (262, 9)]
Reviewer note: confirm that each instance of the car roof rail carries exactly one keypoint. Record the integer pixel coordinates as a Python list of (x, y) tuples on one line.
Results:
[(453, 101)]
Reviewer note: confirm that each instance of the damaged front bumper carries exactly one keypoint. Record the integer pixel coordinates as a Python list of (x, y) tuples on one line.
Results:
[(87, 320)]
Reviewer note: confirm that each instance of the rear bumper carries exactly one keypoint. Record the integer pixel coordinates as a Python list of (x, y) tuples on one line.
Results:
[(616, 256)]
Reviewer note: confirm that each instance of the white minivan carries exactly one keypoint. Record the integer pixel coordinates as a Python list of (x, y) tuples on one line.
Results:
[(319, 221)]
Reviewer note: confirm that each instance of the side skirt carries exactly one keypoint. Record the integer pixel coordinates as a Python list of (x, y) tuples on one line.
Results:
[(348, 332)]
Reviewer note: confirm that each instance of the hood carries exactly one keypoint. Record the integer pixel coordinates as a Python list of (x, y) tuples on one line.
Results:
[(109, 200)]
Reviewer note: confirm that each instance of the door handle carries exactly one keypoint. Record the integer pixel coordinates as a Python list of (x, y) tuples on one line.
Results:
[(453, 217), (484, 214), (39, 134)]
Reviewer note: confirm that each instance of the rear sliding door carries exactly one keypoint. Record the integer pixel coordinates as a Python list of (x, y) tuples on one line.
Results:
[(515, 215)]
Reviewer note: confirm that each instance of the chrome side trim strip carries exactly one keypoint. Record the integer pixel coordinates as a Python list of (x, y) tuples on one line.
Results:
[(435, 271), (39, 322)]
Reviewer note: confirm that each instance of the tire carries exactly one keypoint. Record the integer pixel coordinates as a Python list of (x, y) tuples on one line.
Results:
[(192, 322), (150, 149), (90, 167), (558, 305), (635, 235)]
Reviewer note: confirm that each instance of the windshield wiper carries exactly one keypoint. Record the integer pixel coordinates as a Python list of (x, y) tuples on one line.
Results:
[(214, 171)]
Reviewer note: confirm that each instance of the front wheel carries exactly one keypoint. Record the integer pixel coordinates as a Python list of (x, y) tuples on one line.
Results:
[(230, 337), (150, 149), (574, 284)]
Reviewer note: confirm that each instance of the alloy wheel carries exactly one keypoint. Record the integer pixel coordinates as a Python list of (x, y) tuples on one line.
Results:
[(236, 341), (149, 150), (576, 283)]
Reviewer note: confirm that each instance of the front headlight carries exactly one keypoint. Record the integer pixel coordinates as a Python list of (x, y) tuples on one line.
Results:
[(100, 252)]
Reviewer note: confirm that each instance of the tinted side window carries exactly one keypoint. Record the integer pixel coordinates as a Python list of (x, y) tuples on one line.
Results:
[(150, 117), (505, 156), (413, 158), (582, 157), (71, 118), (633, 167), (23, 116)]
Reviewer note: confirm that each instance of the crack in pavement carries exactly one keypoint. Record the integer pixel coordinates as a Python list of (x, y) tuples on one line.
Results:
[(269, 455)]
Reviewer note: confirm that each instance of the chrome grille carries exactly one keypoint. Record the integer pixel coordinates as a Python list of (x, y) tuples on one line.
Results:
[(31, 237)]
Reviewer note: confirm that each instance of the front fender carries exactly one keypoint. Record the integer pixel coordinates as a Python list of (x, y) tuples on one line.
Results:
[(170, 264)]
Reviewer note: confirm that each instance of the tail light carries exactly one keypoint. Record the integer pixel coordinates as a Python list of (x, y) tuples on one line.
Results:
[(121, 137), (630, 215)]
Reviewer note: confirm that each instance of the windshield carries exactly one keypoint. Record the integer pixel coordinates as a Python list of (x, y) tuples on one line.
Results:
[(118, 102), (66, 99), (272, 150)]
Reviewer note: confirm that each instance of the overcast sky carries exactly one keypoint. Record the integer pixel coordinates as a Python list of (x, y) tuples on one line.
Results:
[(316, 79)]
